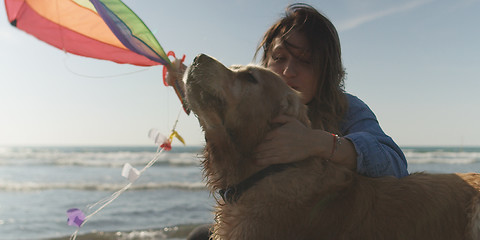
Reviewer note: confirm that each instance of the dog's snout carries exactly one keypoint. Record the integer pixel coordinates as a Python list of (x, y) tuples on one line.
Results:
[(200, 58), (203, 59), (195, 60)]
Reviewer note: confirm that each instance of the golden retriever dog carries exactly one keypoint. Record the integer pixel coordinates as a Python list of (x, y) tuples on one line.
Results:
[(313, 198)]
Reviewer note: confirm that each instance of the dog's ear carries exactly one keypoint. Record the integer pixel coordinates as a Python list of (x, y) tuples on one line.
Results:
[(292, 106)]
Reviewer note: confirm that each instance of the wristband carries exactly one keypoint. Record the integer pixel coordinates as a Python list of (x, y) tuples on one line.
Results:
[(336, 142)]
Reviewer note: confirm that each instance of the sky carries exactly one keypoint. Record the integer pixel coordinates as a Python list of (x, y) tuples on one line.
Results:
[(416, 63)]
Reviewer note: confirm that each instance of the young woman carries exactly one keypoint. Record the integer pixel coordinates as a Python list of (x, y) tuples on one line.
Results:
[(304, 48)]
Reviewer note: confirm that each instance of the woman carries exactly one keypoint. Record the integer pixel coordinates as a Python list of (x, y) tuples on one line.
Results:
[(303, 47)]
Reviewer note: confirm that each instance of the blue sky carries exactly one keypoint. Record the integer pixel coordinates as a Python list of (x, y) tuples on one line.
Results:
[(416, 63)]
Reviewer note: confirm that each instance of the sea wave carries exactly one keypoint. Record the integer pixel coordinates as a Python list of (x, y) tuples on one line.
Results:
[(184, 156), (96, 157), (444, 157), (174, 232), (38, 186)]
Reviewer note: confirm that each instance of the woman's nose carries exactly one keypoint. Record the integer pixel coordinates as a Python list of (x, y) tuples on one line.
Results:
[(289, 70)]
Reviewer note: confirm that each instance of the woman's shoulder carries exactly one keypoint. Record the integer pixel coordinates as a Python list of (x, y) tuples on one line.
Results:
[(355, 104), (357, 111)]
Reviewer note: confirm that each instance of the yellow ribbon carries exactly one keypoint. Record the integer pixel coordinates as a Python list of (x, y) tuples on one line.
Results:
[(176, 135)]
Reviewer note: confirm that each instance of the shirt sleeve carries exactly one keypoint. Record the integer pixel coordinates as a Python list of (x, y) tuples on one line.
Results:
[(377, 154)]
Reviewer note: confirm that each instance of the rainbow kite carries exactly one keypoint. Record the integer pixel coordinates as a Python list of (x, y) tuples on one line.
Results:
[(102, 29)]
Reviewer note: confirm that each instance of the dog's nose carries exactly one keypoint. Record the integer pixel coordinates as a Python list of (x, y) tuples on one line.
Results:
[(198, 57), (201, 58)]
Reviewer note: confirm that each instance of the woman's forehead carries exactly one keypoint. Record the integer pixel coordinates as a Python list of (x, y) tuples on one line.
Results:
[(294, 43)]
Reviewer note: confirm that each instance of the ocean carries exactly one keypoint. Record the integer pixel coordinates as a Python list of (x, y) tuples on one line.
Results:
[(39, 184)]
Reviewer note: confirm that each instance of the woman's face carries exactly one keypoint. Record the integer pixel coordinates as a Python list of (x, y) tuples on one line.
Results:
[(292, 60)]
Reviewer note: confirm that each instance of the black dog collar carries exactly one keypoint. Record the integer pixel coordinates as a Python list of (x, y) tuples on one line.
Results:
[(233, 193)]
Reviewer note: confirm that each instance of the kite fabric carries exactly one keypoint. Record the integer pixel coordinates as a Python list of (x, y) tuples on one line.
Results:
[(75, 217), (102, 29)]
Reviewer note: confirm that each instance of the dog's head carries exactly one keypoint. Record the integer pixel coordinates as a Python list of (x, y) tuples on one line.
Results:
[(234, 107)]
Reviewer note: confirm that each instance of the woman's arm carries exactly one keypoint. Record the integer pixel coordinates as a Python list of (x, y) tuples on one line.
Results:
[(292, 141), (364, 147), (377, 154)]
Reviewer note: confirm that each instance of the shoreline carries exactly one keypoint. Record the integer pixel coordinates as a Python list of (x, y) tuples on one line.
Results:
[(174, 232)]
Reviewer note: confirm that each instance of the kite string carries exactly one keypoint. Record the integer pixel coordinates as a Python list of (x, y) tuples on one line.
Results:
[(107, 201), (176, 121), (74, 235), (98, 77)]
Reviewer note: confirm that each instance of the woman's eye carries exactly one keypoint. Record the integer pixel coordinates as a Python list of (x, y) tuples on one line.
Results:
[(277, 58)]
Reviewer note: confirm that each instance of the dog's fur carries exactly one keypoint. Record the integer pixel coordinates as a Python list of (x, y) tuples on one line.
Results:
[(313, 199)]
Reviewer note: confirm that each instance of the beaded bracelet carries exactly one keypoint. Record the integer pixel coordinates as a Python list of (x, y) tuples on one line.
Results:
[(336, 142)]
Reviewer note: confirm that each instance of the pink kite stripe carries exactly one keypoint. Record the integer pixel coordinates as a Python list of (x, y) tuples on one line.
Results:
[(12, 8)]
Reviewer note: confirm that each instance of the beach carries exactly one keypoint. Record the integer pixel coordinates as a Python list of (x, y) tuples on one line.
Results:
[(39, 184)]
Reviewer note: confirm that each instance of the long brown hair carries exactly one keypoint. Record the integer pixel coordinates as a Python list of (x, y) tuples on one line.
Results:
[(329, 104)]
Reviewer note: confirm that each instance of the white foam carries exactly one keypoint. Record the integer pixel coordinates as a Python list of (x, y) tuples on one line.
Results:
[(36, 186), (93, 159), (442, 157)]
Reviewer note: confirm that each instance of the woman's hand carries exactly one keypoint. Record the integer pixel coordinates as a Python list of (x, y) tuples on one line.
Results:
[(290, 142), (175, 72)]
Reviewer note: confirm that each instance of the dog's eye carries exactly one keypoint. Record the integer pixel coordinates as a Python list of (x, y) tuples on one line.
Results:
[(251, 78), (247, 76)]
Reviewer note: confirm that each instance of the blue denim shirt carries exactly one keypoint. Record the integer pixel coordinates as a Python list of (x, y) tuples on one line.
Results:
[(377, 154)]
